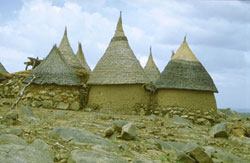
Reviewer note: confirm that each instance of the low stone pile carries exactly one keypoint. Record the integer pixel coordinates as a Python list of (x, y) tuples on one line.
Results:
[(10, 88), (196, 116), (55, 97)]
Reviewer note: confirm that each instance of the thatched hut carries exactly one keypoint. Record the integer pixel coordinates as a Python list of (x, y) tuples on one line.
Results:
[(67, 52), (56, 85), (2, 72), (151, 70), (81, 58), (117, 80), (186, 83)]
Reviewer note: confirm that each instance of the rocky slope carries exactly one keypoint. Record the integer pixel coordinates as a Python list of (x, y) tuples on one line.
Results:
[(45, 135)]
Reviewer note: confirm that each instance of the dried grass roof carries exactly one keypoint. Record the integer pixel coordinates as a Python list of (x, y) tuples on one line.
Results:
[(2, 69), (54, 70), (184, 71), (68, 53), (118, 65), (2, 72), (151, 69), (81, 58)]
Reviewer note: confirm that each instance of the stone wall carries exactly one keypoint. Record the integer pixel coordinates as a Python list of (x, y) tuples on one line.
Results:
[(121, 98), (55, 97), (11, 87)]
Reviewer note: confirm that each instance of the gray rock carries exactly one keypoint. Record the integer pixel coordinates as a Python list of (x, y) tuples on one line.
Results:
[(80, 137), (78, 156), (11, 118), (57, 98), (75, 105), (168, 145), (61, 115), (15, 131), (11, 139), (128, 131), (27, 111), (119, 124), (182, 157), (180, 121), (62, 105), (109, 131), (219, 131), (37, 152), (201, 120), (200, 155)]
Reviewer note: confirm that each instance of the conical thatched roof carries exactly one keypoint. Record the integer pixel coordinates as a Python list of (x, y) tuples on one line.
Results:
[(68, 53), (184, 71), (54, 70), (151, 69), (118, 65), (82, 59), (2, 69)]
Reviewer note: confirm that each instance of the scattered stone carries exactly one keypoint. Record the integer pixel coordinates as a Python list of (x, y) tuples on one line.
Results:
[(11, 118), (128, 131), (200, 155), (109, 131), (80, 137), (119, 124), (182, 157), (11, 139), (15, 131), (27, 111), (142, 112), (219, 131), (180, 121), (78, 156)]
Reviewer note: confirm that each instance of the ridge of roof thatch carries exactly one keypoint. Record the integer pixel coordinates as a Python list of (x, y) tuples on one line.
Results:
[(185, 53), (81, 58), (54, 70), (151, 70), (67, 52), (2, 69), (118, 65), (184, 71)]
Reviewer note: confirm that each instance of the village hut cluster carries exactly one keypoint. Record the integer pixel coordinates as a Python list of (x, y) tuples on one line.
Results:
[(118, 82)]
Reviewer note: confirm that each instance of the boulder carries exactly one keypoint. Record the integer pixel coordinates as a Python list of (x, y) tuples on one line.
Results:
[(78, 156), (219, 131), (182, 157), (128, 131), (109, 131), (11, 139), (119, 124), (75, 105), (200, 155), (80, 137)]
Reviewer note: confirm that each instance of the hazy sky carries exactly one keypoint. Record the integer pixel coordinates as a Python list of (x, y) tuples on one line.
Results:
[(218, 33)]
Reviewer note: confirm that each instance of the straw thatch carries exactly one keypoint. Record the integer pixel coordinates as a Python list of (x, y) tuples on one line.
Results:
[(184, 71), (82, 59), (68, 53), (151, 69), (118, 65), (2, 72), (54, 70), (2, 69)]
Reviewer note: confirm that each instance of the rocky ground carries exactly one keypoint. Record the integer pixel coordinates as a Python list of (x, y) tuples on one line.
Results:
[(43, 135)]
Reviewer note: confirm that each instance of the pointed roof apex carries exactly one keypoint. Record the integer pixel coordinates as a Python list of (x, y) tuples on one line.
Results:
[(81, 58), (185, 53), (150, 50), (151, 70), (65, 31), (119, 29), (185, 38)]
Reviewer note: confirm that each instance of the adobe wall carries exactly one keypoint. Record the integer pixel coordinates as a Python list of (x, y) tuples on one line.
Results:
[(192, 101), (55, 97), (120, 98)]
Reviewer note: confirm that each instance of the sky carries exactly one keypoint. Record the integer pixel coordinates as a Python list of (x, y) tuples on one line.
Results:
[(218, 33)]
